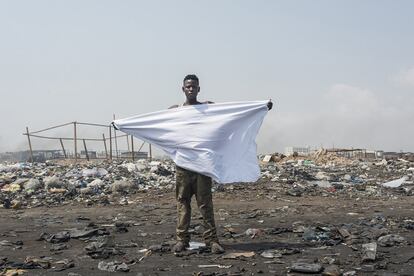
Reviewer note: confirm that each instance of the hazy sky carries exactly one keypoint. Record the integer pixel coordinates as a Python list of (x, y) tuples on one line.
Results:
[(340, 72)]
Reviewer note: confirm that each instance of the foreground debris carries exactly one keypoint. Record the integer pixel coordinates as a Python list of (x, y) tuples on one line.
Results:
[(319, 215)]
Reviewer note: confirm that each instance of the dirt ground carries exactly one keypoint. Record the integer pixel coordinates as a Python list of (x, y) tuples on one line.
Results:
[(150, 219)]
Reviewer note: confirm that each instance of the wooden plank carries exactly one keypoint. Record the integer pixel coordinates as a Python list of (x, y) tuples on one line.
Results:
[(86, 150), (132, 146), (30, 144), (110, 142), (106, 150), (75, 144), (63, 148), (116, 142)]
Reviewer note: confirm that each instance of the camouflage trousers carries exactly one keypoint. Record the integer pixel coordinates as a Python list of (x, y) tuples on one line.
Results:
[(190, 183)]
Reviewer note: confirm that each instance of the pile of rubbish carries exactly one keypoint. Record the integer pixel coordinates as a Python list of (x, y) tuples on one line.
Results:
[(48, 184), (39, 184), (330, 174), (319, 157), (339, 236)]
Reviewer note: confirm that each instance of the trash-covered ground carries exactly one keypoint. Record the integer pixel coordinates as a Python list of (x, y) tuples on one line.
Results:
[(321, 214)]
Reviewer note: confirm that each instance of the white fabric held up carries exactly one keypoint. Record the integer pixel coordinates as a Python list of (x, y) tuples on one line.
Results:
[(217, 140)]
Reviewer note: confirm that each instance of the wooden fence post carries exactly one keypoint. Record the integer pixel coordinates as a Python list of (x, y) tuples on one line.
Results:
[(116, 143), (75, 142), (106, 150), (63, 148), (86, 150), (132, 146), (30, 145), (110, 142)]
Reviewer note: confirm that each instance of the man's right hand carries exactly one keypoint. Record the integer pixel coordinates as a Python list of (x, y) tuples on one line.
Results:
[(269, 105)]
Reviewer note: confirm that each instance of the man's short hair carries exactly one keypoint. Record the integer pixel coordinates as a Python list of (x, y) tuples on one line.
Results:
[(191, 77)]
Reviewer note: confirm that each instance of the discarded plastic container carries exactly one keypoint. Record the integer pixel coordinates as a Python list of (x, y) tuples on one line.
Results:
[(395, 183)]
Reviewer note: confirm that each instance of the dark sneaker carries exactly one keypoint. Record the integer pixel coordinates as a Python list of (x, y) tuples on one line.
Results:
[(180, 246), (216, 248)]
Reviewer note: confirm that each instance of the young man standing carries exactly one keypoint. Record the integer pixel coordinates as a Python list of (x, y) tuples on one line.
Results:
[(189, 183)]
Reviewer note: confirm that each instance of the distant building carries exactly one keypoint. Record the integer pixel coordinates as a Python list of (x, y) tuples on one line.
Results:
[(299, 150), (38, 155), (358, 153), (392, 155), (137, 154), (91, 154)]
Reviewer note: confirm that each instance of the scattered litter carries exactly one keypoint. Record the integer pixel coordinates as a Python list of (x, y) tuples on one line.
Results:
[(13, 272), (239, 254), (369, 251), (113, 266), (270, 254), (395, 183), (306, 268), (390, 240), (94, 172), (332, 270), (253, 232), (63, 265), (348, 246), (196, 245), (215, 265)]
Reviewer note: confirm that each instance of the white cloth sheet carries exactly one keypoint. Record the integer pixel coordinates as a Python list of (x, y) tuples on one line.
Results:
[(217, 140)]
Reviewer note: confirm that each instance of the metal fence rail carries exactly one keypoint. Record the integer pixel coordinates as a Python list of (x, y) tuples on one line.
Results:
[(112, 138)]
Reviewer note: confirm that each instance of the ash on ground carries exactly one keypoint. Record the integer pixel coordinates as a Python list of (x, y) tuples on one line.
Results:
[(320, 214)]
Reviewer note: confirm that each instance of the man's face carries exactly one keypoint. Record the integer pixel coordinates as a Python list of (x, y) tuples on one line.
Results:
[(191, 89)]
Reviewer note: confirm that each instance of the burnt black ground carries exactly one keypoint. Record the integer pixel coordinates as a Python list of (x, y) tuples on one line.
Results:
[(152, 218)]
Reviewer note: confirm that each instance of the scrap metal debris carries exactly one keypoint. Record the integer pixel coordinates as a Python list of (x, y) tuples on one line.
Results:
[(346, 216)]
